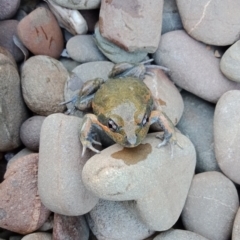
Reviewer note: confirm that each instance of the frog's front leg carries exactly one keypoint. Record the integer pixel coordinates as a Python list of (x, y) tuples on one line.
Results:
[(166, 124)]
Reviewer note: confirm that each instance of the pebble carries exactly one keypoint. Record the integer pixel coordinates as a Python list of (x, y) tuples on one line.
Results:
[(38, 236), (60, 167), (226, 137), (10, 57), (66, 227), (177, 234), (13, 111), (170, 18), (8, 29), (119, 174), (230, 62), (68, 63), (193, 66), (110, 220), (43, 80), (115, 53), (211, 206), (20, 154), (236, 227), (40, 33), (21, 209), (166, 96), (30, 132), (69, 19), (133, 26), (79, 4), (82, 48), (203, 20), (198, 112), (8, 8)]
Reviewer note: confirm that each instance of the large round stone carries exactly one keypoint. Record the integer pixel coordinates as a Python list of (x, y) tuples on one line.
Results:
[(226, 134), (211, 206), (193, 66), (43, 81), (211, 22)]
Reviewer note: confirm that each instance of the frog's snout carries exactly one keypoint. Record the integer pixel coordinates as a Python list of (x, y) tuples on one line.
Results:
[(131, 141)]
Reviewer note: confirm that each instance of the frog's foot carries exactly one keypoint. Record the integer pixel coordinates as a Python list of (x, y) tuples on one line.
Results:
[(169, 135), (86, 134), (124, 69)]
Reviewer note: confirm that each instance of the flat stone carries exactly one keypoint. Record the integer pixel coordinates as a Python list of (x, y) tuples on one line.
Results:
[(38, 236), (133, 26), (110, 220), (43, 81), (8, 8), (193, 66), (82, 48), (198, 112), (30, 132), (177, 234), (40, 33), (60, 167), (21, 208), (211, 206), (226, 137), (144, 174), (214, 23), (66, 227), (13, 111), (114, 52), (230, 62), (166, 96), (8, 29), (79, 4)]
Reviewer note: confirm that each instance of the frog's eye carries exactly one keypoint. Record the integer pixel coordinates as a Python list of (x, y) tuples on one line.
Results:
[(112, 125), (145, 120)]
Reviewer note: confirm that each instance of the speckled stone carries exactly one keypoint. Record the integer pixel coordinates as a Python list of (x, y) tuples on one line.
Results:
[(66, 227), (110, 220), (21, 208), (8, 29), (144, 174), (59, 142), (13, 111), (30, 132), (43, 81), (8, 8), (211, 206)]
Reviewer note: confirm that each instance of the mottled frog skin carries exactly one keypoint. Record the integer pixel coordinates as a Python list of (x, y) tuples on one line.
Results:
[(123, 108)]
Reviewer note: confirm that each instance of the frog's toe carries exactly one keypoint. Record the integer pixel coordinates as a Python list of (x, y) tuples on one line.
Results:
[(90, 146)]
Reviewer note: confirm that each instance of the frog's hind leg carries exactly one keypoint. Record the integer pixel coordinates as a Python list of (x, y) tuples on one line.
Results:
[(169, 135)]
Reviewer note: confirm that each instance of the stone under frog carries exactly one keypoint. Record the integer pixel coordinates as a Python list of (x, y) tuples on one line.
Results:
[(123, 108)]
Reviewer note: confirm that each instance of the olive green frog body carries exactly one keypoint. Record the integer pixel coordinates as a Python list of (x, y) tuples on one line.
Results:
[(123, 105), (123, 108)]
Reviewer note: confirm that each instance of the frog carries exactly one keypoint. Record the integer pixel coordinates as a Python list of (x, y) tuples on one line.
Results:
[(122, 107)]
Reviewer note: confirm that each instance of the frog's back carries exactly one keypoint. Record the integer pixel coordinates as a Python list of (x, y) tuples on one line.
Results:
[(118, 91)]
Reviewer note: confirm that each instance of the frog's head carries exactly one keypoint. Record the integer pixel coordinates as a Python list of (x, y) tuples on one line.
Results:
[(128, 128)]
